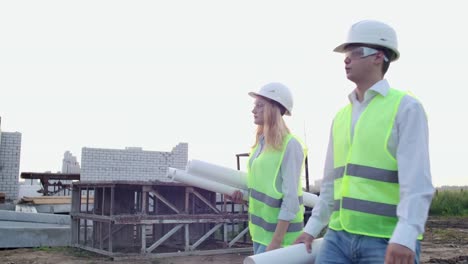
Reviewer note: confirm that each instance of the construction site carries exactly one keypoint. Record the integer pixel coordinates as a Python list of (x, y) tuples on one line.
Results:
[(118, 204), (127, 205)]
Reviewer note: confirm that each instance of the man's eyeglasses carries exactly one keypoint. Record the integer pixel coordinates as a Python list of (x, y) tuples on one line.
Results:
[(362, 52)]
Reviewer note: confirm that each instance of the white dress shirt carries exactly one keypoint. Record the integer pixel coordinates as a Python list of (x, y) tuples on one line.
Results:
[(408, 143)]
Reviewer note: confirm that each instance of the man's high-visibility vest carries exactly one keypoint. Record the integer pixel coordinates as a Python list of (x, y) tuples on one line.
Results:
[(265, 199), (366, 188)]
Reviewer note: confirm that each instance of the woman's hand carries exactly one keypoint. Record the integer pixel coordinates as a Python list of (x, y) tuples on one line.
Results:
[(236, 197)]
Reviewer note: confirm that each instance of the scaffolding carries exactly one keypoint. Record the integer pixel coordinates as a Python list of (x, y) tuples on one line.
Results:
[(140, 219), (52, 182)]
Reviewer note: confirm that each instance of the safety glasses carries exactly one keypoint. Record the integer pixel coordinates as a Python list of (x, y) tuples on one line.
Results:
[(361, 52)]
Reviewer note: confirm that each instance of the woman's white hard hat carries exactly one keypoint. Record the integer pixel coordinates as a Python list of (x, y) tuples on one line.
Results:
[(277, 92)]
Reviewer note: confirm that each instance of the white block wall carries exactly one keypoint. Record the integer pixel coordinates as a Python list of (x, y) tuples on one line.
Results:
[(132, 164), (10, 150)]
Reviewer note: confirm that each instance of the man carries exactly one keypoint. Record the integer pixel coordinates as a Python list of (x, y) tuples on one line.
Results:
[(377, 189)]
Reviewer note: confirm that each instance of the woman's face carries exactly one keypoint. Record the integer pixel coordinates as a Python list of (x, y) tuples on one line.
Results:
[(259, 106)]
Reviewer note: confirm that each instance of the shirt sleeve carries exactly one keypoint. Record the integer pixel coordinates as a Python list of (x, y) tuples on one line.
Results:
[(416, 190), (290, 172), (323, 209)]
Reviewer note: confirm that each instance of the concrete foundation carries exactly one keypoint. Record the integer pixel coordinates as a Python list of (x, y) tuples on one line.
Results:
[(34, 218), (20, 229), (24, 234)]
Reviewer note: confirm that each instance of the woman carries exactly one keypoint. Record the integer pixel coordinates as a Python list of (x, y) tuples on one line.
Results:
[(274, 168)]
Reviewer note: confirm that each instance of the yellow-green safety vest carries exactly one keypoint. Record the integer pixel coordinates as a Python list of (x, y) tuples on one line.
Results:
[(366, 188), (265, 199)]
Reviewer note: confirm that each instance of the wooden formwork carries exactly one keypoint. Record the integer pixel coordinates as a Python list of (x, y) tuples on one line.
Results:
[(128, 219)]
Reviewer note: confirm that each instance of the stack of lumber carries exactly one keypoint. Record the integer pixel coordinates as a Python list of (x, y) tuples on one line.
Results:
[(52, 200)]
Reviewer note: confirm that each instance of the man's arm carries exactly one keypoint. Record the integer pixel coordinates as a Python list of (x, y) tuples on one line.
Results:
[(416, 190)]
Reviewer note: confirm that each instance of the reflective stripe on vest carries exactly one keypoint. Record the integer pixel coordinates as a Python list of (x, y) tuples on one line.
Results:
[(366, 189), (367, 172), (271, 227), (270, 201), (365, 207)]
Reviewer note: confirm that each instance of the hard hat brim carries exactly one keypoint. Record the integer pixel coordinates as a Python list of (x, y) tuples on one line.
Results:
[(254, 94), (341, 48)]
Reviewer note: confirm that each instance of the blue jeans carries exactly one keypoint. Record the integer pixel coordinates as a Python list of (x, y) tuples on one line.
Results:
[(258, 248), (342, 247)]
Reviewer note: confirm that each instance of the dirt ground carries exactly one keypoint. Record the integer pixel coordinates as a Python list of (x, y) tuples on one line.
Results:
[(445, 241)]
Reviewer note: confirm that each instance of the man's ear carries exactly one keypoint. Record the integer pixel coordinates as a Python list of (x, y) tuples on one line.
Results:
[(379, 57)]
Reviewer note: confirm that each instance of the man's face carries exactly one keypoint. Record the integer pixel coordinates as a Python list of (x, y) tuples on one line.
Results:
[(358, 60)]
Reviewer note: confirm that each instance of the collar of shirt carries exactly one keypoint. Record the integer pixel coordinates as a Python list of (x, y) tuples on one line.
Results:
[(381, 87), (261, 143), (261, 139)]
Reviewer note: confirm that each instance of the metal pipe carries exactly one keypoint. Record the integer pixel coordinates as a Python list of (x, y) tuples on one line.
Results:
[(232, 177), (217, 173), (184, 177)]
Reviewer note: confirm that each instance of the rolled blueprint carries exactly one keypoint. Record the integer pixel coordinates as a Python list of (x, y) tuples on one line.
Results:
[(310, 199), (217, 173), (232, 177), (295, 254), (183, 177)]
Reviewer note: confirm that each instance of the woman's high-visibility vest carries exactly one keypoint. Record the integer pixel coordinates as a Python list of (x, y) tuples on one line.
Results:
[(265, 199), (366, 188)]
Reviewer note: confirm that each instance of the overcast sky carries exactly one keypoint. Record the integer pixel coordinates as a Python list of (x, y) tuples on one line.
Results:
[(151, 74)]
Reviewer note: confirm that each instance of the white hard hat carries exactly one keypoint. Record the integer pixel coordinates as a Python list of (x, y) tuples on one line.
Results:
[(374, 33), (277, 92)]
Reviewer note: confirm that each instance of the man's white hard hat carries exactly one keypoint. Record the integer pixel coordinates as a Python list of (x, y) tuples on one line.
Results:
[(277, 92), (372, 32)]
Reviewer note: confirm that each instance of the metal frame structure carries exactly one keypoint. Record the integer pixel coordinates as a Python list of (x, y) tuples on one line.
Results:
[(131, 219)]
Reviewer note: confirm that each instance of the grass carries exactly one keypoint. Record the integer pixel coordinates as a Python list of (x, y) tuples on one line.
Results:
[(70, 251), (444, 234), (447, 235), (450, 203)]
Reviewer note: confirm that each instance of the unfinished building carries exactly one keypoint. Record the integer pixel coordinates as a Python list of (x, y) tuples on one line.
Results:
[(123, 206)]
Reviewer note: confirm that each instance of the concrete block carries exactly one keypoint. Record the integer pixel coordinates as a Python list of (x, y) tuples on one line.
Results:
[(34, 217), (24, 234)]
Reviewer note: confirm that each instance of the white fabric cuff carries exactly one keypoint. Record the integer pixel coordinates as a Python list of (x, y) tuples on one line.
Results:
[(405, 235), (286, 216), (313, 227)]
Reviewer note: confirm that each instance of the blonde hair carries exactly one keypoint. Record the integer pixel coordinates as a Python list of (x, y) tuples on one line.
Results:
[(274, 128)]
